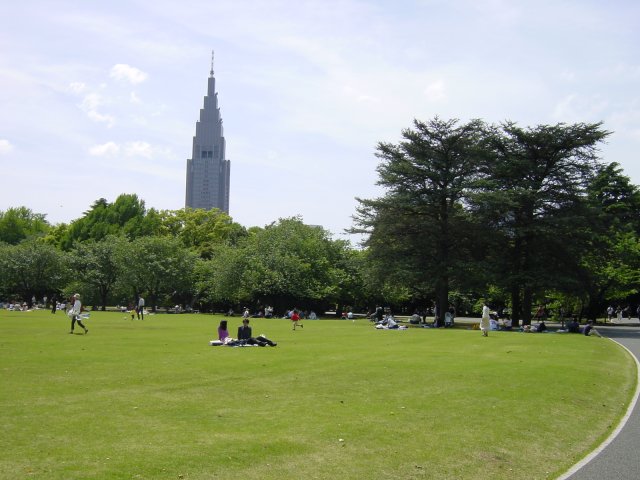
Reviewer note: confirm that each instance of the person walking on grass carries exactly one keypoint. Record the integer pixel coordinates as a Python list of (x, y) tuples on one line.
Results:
[(141, 308), (295, 319), (484, 321), (74, 313)]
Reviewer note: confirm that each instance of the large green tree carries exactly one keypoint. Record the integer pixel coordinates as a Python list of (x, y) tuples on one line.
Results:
[(20, 223), (201, 230), (532, 202), (158, 267), (611, 265), (286, 264), (32, 268), (416, 231), (127, 215), (95, 264)]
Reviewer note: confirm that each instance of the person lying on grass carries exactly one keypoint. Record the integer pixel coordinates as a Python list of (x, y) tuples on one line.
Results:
[(388, 322)]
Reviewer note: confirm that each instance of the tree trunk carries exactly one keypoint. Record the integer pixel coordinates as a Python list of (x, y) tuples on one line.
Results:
[(527, 302), (516, 307), (103, 299), (442, 300)]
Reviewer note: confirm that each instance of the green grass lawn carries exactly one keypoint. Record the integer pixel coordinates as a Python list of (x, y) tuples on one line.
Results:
[(335, 400)]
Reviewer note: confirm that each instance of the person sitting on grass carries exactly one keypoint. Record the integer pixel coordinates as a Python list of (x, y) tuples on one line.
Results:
[(573, 326), (223, 333), (244, 335), (243, 331), (506, 324), (589, 330), (391, 322)]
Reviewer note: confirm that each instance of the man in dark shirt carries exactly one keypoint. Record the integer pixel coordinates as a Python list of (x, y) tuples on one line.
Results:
[(244, 330), (590, 330), (244, 334), (574, 326)]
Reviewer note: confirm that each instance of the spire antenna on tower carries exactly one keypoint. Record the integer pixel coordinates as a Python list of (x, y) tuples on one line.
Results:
[(211, 72)]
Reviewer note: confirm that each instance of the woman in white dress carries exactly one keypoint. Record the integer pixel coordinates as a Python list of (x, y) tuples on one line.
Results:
[(484, 321)]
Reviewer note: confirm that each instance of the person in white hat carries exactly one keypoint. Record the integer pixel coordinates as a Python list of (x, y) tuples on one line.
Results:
[(485, 320), (74, 313)]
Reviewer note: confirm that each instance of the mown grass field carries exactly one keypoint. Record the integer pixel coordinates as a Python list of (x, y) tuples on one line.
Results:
[(338, 399)]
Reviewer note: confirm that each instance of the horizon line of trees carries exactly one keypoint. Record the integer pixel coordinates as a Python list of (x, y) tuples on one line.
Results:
[(471, 212)]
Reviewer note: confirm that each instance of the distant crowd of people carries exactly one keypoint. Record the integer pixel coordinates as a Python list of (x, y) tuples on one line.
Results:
[(621, 312), (267, 312), (491, 320)]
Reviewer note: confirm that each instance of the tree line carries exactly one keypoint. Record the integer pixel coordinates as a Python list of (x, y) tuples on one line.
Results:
[(202, 259), (519, 216), (514, 216)]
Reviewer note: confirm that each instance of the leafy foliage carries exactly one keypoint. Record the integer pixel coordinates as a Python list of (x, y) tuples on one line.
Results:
[(417, 229), (127, 215), (32, 268), (201, 230), (532, 200), (158, 267), (20, 223), (508, 214), (96, 265), (285, 264)]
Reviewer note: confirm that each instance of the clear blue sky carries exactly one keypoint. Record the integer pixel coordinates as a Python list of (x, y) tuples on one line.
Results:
[(99, 98)]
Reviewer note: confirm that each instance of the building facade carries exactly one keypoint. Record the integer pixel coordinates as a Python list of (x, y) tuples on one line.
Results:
[(208, 170)]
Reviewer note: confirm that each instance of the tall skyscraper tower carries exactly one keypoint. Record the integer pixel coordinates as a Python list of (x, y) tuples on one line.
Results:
[(208, 169)]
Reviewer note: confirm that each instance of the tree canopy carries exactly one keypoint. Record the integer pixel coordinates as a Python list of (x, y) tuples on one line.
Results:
[(518, 216), (20, 223), (417, 229)]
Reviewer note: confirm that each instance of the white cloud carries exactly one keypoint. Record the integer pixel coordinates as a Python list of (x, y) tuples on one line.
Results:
[(106, 149), (133, 98), (5, 146), (138, 149), (77, 87), (100, 117), (128, 149), (90, 104), (122, 71)]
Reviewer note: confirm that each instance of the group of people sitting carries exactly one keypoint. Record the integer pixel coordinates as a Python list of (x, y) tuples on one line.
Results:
[(573, 326), (245, 337), (15, 307), (389, 323)]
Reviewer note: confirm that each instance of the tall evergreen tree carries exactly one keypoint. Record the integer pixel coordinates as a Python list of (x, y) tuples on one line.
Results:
[(416, 230), (537, 179), (611, 265)]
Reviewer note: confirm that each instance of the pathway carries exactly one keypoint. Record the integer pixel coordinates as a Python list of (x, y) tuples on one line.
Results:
[(620, 459)]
